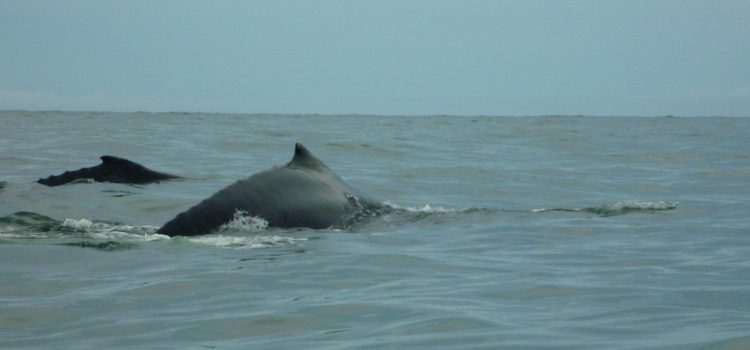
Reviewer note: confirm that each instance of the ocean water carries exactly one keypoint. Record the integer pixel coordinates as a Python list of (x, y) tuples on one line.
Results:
[(526, 233)]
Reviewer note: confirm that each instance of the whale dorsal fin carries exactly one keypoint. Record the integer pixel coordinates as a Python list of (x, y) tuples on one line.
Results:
[(304, 159), (110, 159)]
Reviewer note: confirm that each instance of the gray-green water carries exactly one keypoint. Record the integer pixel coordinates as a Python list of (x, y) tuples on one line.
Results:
[(534, 233)]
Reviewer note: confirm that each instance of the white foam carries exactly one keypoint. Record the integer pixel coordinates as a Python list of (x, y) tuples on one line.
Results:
[(80, 224), (424, 209), (429, 209), (119, 234), (245, 242), (103, 230)]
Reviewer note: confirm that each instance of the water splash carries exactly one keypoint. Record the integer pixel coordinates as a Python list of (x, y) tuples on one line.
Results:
[(234, 234), (244, 222)]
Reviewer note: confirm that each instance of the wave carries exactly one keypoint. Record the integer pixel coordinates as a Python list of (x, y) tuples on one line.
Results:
[(371, 216), (393, 214), (248, 232), (619, 208), (429, 209), (21, 227), (109, 246), (24, 224), (109, 230), (243, 242)]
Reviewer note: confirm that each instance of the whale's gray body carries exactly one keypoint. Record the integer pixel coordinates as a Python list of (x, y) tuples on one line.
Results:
[(112, 169), (302, 193)]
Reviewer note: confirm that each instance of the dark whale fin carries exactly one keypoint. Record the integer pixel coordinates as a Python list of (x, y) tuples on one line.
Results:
[(112, 160), (112, 169), (113, 163), (304, 159)]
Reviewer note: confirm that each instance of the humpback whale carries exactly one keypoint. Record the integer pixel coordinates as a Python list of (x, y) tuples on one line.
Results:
[(112, 169), (302, 193)]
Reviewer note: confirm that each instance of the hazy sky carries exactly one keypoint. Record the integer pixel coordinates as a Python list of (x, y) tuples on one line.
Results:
[(378, 57)]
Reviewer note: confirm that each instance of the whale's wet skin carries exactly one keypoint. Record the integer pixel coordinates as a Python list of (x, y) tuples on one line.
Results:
[(302, 193), (487, 233)]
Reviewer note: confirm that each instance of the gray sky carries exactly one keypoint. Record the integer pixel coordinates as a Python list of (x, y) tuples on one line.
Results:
[(378, 57)]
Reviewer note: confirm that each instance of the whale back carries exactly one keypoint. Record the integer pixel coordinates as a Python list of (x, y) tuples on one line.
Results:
[(303, 193)]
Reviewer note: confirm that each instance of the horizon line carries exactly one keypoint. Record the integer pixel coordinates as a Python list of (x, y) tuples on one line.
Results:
[(377, 115)]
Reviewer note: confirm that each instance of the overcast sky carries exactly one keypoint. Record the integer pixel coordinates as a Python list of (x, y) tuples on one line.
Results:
[(378, 57)]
